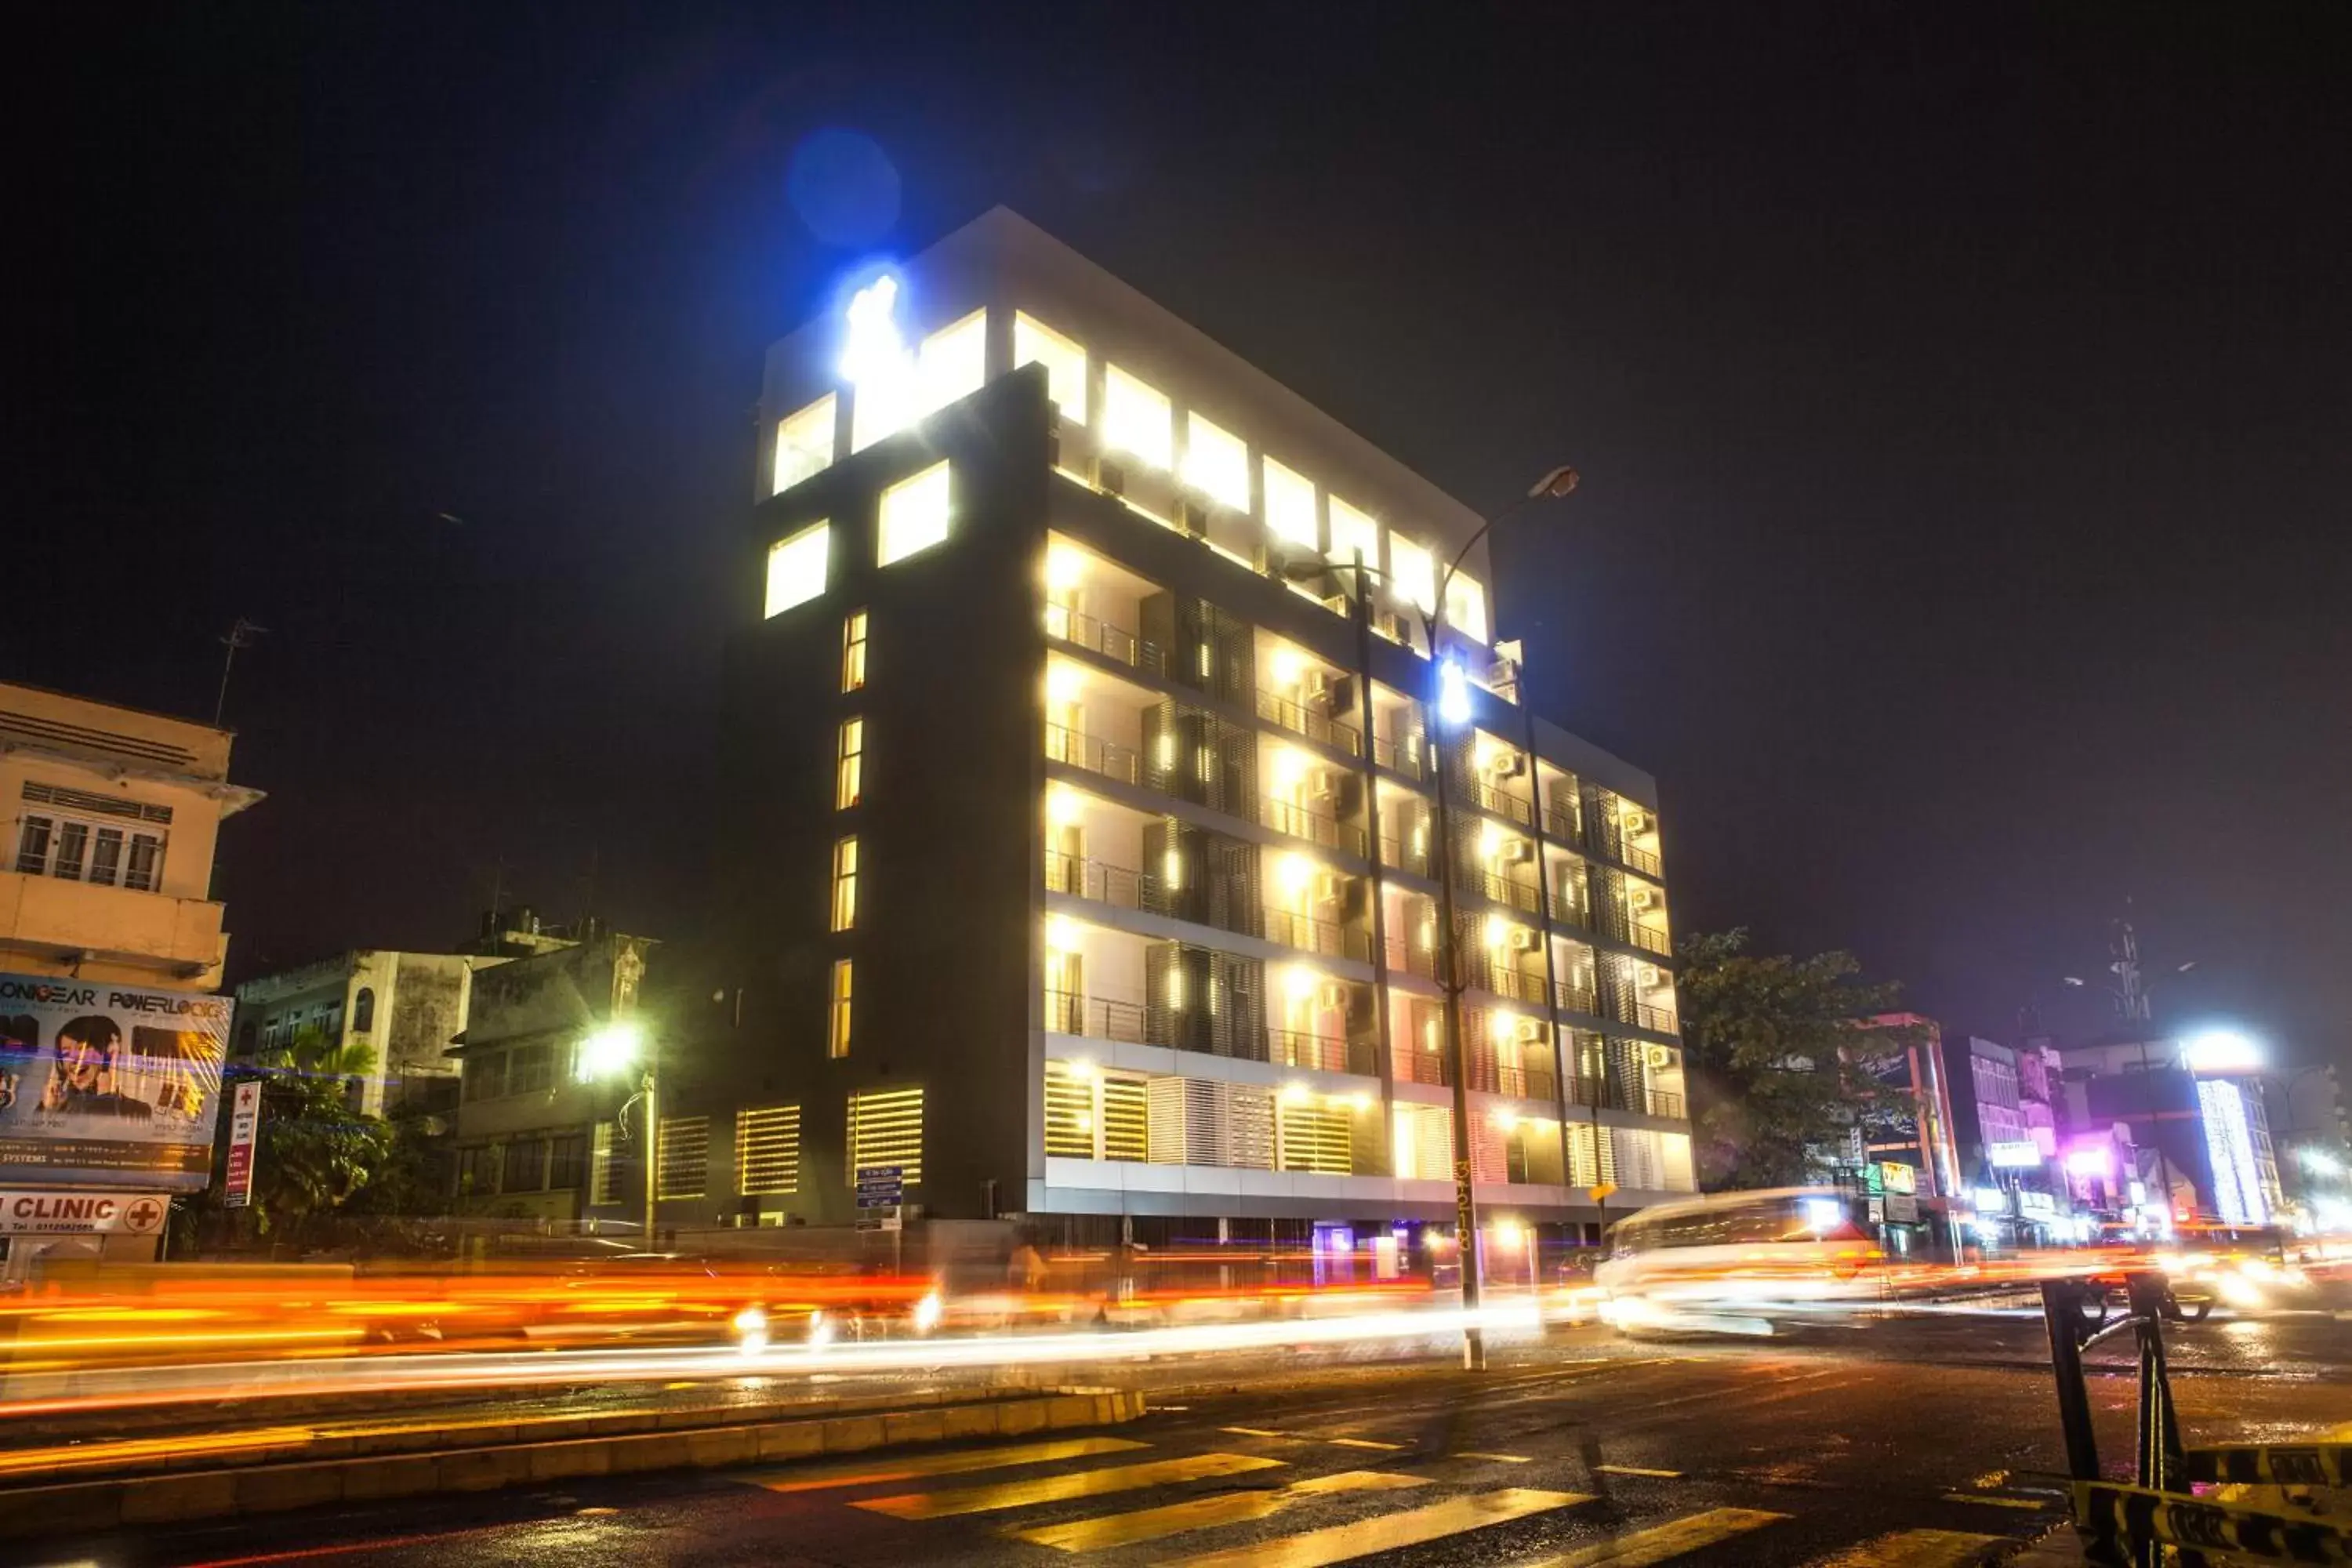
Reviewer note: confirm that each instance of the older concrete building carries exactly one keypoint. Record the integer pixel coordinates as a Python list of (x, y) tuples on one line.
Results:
[(404, 1007), (111, 941)]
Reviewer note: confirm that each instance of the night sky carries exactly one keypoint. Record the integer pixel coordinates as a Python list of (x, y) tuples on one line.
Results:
[(1962, 403)]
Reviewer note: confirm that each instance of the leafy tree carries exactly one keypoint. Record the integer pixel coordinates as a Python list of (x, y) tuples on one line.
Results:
[(314, 1149), (1772, 1051)]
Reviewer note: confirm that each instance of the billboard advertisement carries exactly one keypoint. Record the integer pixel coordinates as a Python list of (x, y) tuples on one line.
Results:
[(109, 1086)]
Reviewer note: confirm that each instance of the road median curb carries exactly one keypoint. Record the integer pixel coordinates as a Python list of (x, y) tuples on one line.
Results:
[(87, 1506)]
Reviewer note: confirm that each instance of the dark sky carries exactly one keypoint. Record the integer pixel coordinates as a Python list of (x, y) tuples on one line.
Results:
[(1962, 403)]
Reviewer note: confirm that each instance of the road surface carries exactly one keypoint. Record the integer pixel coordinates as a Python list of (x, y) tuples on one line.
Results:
[(1917, 1441)]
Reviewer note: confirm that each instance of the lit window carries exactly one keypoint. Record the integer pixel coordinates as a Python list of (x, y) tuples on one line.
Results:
[(876, 364), (805, 443), (767, 1151), (1413, 572), (1352, 531), (797, 567), (1289, 506), (1064, 362), (837, 1032), (1216, 464), (848, 778), (953, 362), (1466, 607), (914, 514), (683, 1159), (1136, 419), (844, 884), (853, 651), (886, 1130)]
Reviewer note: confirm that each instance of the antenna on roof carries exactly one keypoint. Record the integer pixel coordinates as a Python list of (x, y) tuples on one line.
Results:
[(241, 633)]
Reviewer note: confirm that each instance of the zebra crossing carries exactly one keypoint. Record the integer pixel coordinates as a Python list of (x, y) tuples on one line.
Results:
[(1386, 1510)]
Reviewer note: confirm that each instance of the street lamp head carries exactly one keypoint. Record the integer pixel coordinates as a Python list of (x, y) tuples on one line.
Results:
[(1452, 694), (2076, 980), (1555, 484), (2221, 1051), (611, 1051)]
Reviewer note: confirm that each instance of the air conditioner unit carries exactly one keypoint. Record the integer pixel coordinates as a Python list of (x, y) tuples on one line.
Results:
[(1509, 765), (1503, 672), (1530, 1031), (1650, 975), (1322, 783), (1660, 1058), (1315, 689), (1393, 627), (1329, 887), (1519, 850), (1525, 939), (1643, 899), (1636, 824)]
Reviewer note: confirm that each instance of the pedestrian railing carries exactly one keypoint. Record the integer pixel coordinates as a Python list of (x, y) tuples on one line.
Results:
[(2158, 1519)]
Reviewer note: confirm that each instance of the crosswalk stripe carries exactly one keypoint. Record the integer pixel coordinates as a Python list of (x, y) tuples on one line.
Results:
[(1498, 1458), (1064, 1486), (1310, 1437), (1389, 1531), (1636, 1470), (1916, 1549), (1360, 1443), (915, 1465), (1203, 1513), (1664, 1541), (1995, 1501)]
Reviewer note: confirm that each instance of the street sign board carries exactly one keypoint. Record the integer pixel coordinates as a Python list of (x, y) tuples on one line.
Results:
[(881, 1187), (81, 1213), (243, 1124)]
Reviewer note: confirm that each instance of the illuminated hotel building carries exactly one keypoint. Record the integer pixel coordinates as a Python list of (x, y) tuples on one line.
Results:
[(1081, 854)]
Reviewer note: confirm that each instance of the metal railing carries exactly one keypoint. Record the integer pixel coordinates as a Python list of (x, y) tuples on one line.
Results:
[(1085, 877), (1329, 938), (1502, 890), (1096, 636), (1497, 802), (1519, 1082), (1419, 1067), (1095, 1017), (1301, 719), (1318, 1053), (1405, 759), (1564, 824), (1572, 998), (1404, 858), (1661, 1019), (1643, 860), (1650, 939), (1411, 956), (1564, 912), (1507, 981), (1306, 822), (1077, 749), (1662, 1104)]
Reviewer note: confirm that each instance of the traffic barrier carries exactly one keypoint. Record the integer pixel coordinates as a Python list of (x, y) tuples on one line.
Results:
[(2157, 1521)]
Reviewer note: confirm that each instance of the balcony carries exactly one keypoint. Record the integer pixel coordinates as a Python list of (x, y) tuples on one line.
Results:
[(1310, 823), (1519, 1082), (1420, 1066), (1319, 1053), (1569, 998), (1095, 1017), (1300, 719), (1502, 890), (1096, 636), (1495, 802), (1563, 823), (1329, 938), (1662, 1104), (1650, 939), (1611, 1094), (1406, 759), (1661, 1019), (115, 928), (1510, 982), (1077, 748), (1403, 856), (1087, 877), (1412, 957), (1643, 860)]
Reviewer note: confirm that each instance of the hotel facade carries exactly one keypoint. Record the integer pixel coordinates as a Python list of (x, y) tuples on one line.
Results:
[(1080, 827)]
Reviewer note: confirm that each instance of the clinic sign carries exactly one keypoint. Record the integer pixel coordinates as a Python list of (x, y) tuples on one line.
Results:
[(81, 1214), (109, 1086)]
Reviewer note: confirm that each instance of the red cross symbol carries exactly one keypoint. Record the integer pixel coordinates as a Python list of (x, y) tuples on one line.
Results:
[(143, 1215)]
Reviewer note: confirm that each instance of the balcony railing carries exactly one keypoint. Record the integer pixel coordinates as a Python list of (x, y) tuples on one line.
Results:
[(1315, 826), (1664, 1104), (1412, 957), (1564, 824), (1095, 636), (1573, 998), (1419, 1067), (1643, 860), (1403, 857), (1076, 748), (1329, 938), (1085, 877), (1095, 1017), (1569, 911), (1500, 804), (1650, 939), (1507, 982), (1661, 1019), (1405, 759), (1502, 890), (1301, 719), (1318, 1053), (1520, 1082)]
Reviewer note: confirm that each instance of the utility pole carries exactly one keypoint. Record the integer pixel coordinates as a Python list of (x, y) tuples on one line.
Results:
[(241, 633)]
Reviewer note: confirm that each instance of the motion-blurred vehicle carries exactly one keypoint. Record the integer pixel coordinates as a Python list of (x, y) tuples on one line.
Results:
[(1720, 1264), (2244, 1268)]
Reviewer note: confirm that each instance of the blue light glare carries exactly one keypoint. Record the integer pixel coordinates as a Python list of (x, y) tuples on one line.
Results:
[(1453, 693), (873, 350)]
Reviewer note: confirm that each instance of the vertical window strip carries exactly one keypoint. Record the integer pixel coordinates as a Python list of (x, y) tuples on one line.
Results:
[(886, 1127), (838, 1033), (844, 884), (767, 1151), (684, 1163), (849, 771)]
